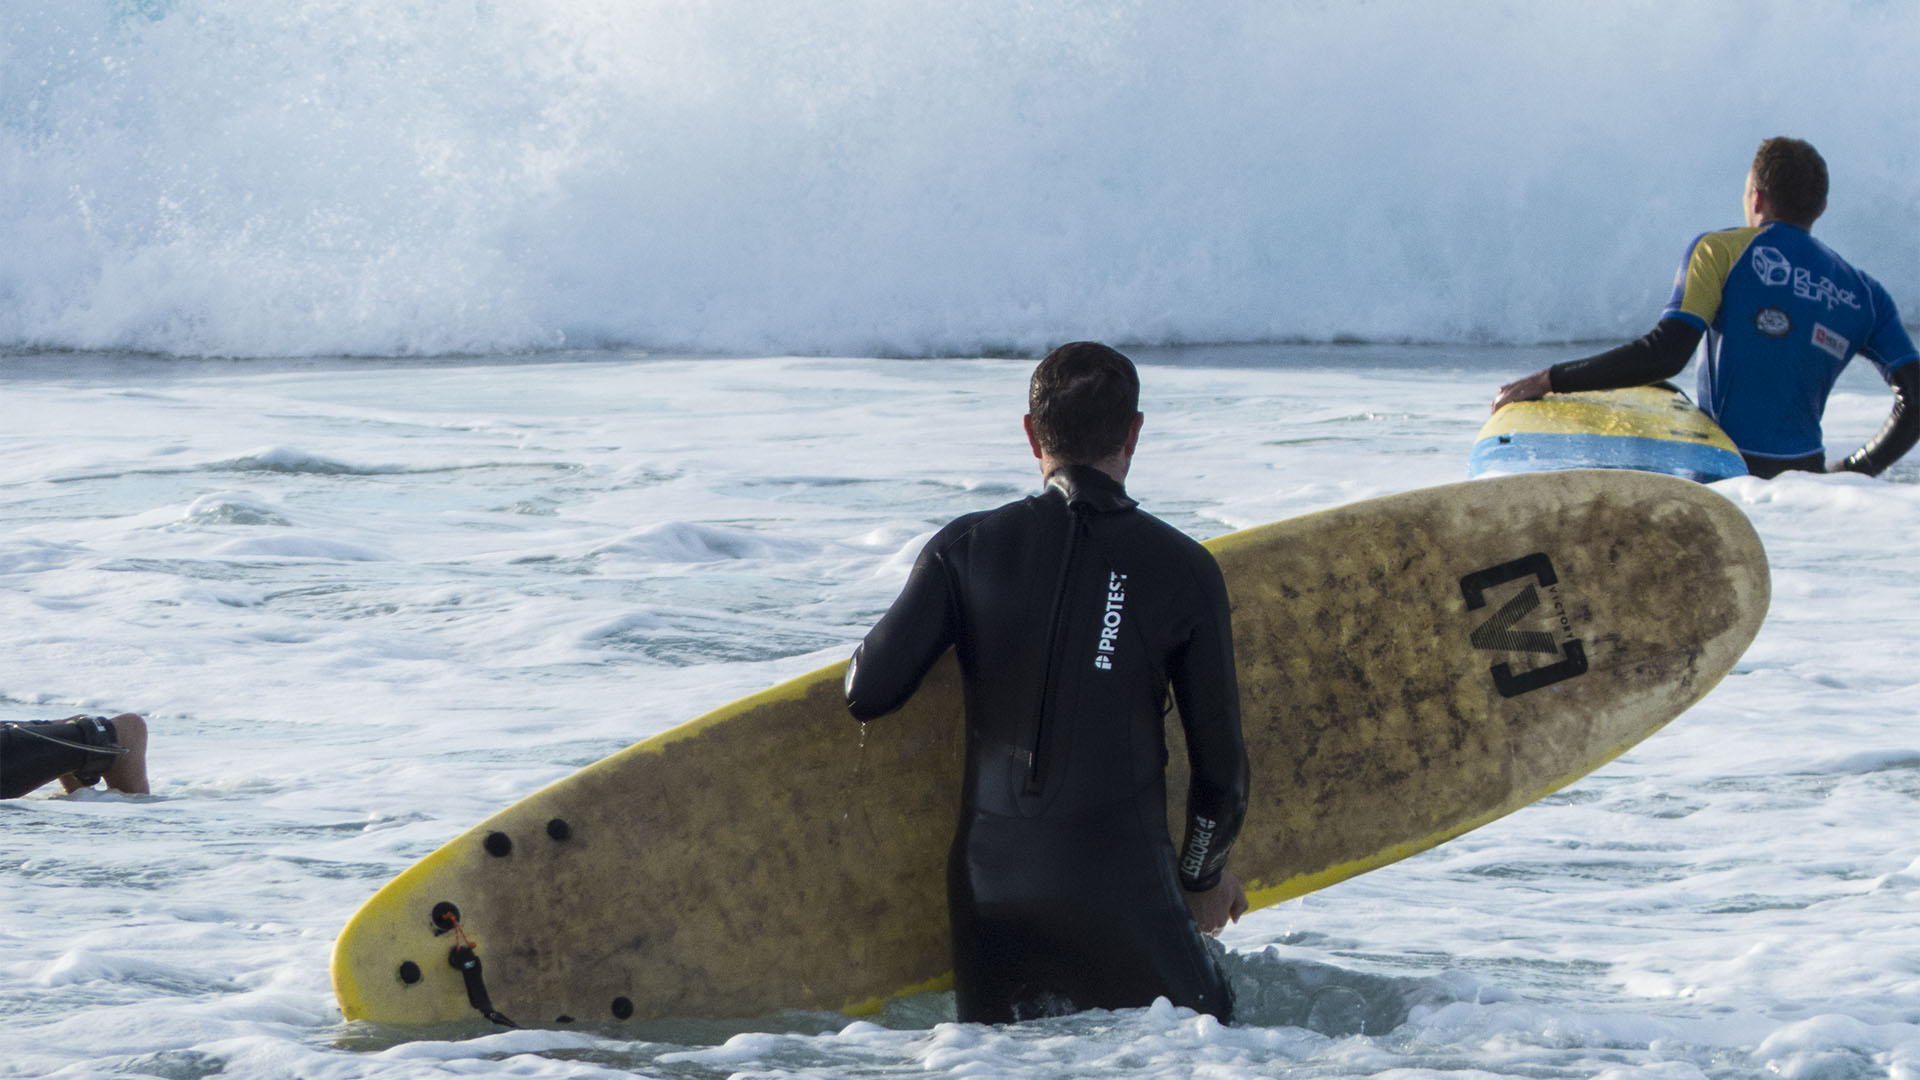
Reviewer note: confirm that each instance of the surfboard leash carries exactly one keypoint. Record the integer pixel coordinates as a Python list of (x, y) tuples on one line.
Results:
[(90, 728), (109, 748), (466, 959)]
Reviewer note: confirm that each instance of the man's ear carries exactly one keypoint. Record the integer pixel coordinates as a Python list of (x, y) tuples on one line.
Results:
[(1133, 432), (1033, 440)]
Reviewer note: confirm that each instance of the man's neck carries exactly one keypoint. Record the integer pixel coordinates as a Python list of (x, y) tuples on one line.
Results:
[(1114, 465)]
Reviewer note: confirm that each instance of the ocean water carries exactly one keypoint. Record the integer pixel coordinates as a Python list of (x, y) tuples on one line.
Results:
[(366, 603), (404, 405)]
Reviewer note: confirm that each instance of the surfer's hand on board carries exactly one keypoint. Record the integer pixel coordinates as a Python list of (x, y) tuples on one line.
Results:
[(1527, 388), (1216, 907)]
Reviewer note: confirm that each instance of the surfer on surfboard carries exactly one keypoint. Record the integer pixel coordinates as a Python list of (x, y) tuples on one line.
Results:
[(1074, 614), (1782, 315)]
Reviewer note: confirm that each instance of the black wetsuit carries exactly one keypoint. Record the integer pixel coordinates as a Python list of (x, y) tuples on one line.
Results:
[(1073, 614), (31, 754)]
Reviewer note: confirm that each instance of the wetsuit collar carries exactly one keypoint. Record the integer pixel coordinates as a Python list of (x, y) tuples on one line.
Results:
[(1087, 488)]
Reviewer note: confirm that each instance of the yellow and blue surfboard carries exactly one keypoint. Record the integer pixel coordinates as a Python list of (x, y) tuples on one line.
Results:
[(1649, 428)]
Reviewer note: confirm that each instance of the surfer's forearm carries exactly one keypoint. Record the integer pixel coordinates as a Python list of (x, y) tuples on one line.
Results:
[(1207, 690), (1899, 433), (1661, 354), (887, 667), (1216, 799), (1217, 780), (1214, 817)]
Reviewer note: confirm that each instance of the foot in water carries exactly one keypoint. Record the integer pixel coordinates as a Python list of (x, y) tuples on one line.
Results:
[(128, 772)]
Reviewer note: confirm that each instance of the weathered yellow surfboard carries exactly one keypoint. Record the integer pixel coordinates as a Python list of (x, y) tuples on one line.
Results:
[(1411, 667)]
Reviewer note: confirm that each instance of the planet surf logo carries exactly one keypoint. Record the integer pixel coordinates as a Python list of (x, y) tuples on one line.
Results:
[(1502, 631)]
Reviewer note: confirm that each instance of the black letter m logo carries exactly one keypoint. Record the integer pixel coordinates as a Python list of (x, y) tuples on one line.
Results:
[(1497, 633)]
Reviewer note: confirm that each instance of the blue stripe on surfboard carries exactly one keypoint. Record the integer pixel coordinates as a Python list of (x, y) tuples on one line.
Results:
[(1525, 451)]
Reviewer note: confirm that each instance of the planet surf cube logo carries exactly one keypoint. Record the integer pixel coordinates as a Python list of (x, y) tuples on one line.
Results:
[(1517, 625), (1771, 267)]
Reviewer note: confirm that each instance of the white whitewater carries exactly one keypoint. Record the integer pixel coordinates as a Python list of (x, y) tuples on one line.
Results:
[(367, 604), (867, 177)]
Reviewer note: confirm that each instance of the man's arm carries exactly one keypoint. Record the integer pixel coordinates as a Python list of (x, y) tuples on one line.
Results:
[(1897, 435), (1664, 351), (887, 667), (1208, 693), (1661, 354)]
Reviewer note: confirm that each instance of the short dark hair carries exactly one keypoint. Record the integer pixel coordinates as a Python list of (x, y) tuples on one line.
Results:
[(1793, 176), (1083, 398)]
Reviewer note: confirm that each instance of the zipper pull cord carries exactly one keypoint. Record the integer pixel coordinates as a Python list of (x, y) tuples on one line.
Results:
[(1077, 515)]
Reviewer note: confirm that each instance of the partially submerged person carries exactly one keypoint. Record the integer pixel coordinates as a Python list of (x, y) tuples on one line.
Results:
[(1074, 614), (1782, 315), (79, 751)]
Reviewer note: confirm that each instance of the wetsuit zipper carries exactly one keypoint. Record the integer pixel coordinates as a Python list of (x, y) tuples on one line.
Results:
[(1036, 757)]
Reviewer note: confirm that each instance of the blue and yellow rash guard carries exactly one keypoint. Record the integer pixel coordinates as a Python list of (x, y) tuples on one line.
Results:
[(1782, 314)]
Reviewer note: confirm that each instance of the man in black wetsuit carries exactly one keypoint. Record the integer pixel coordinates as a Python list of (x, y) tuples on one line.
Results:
[(1782, 314), (79, 751), (1074, 613)]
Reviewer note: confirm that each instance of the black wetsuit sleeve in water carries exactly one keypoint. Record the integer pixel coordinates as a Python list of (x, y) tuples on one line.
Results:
[(1201, 675), (1901, 430), (1661, 354), (37, 752), (906, 641)]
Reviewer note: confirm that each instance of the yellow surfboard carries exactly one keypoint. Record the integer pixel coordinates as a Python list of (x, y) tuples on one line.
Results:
[(1655, 428), (1411, 667)]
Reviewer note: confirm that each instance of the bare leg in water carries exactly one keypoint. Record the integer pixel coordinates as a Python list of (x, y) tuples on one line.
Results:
[(128, 772)]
